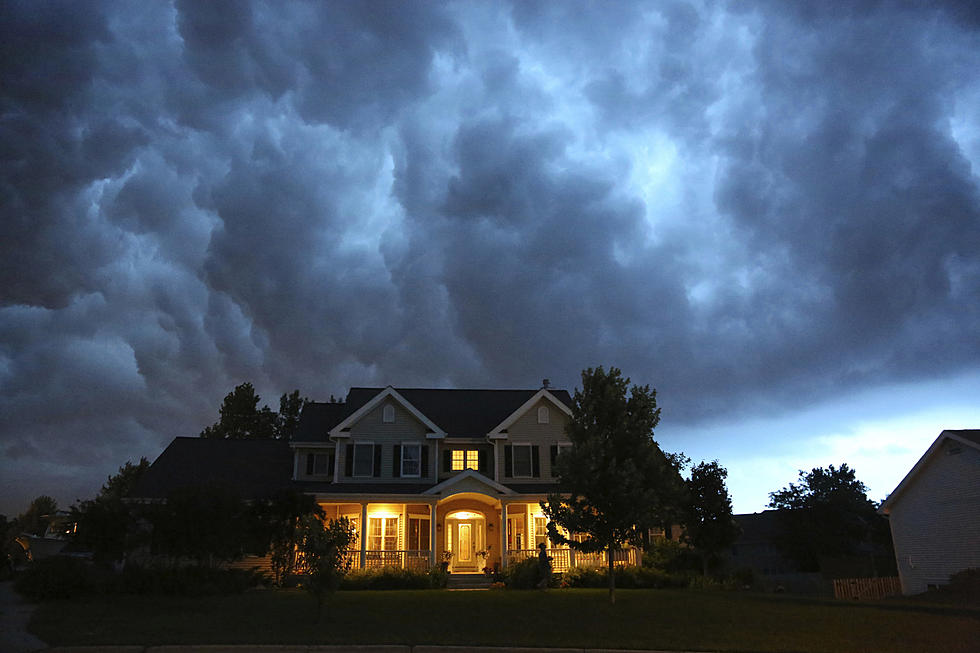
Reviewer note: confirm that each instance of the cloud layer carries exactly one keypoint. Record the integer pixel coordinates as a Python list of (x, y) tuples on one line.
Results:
[(746, 208)]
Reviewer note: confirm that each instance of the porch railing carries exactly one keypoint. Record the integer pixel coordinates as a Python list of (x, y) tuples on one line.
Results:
[(416, 559), (563, 559)]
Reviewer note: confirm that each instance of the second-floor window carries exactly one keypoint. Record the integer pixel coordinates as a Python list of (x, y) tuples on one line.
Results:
[(388, 414), (465, 459), (411, 459), (319, 464), (363, 460), (522, 460)]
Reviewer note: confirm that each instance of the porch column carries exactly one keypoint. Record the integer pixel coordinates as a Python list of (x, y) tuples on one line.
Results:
[(432, 534), (363, 534), (503, 534)]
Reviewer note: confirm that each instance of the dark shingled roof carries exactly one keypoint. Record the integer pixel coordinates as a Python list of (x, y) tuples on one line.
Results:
[(252, 468), (973, 435), (461, 413)]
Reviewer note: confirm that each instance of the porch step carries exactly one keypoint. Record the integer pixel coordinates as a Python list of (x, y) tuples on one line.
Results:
[(468, 582)]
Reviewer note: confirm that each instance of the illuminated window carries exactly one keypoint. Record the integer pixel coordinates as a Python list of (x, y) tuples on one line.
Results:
[(544, 417), (383, 534), (363, 460), (411, 459), (388, 414), (540, 531), (522, 466), (465, 459)]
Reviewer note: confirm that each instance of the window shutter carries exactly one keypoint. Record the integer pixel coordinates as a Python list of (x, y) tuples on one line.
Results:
[(331, 461), (377, 460), (508, 460), (396, 461), (484, 462), (554, 457), (349, 461), (424, 472), (535, 462), (447, 460), (309, 464)]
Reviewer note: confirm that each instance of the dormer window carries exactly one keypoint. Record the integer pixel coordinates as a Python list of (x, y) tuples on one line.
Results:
[(388, 414), (544, 415)]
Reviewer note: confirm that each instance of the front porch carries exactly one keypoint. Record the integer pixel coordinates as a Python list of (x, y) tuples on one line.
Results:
[(469, 532)]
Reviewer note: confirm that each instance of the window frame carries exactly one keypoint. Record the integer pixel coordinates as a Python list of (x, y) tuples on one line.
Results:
[(418, 460), (424, 530), (530, 460), (370, 473), (388, 414), (326, 463)]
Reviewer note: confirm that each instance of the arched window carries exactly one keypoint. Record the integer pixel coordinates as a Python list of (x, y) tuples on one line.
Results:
[(388, 415), (543, 415)]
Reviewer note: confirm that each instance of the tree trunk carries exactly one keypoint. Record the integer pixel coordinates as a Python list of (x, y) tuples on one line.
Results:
[(612, 577)]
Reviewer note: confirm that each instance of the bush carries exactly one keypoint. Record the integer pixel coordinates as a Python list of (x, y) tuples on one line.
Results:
[(185, 581), (394, 578), (526, 575), (671, 556), (57, 578), (626, 578)]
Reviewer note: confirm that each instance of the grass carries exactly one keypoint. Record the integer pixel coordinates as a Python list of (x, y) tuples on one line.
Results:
[(650, 619)]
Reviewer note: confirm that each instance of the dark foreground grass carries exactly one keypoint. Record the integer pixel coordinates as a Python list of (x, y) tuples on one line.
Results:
[(651, 619)]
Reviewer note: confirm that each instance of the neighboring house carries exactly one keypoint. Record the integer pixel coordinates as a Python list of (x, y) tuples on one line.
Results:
[(935, 513), (757, 545), (424, 475)]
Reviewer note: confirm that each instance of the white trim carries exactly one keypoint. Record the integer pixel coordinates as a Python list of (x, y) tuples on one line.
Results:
[(886, 505), (353, 462), (498, 431), (338, 431), (469, 473), (401, 463)]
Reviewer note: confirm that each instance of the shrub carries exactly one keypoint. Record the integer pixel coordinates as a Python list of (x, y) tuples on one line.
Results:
[(626, 577), (394, 578), (525, 575), (185, 581), (671, 556), (57, 578)]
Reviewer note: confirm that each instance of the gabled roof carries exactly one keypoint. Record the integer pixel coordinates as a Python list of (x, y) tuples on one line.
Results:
[(251, 468), (389, 392), (463, 413), (543, 393), (968, 437), (469, 474)]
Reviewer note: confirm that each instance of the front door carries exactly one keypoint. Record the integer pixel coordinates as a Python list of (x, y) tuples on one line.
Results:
[(465, 536)]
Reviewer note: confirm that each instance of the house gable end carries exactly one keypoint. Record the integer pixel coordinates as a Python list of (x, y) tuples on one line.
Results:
[(501, 430), (342, 430)]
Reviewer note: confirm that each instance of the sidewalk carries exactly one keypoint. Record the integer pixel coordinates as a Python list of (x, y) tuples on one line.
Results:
[(331, 649)]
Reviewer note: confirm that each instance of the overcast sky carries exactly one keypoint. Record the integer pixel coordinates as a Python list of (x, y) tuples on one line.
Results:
[(768, 211)]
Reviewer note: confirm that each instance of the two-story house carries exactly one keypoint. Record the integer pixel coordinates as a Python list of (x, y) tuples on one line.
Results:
[(424, 475)]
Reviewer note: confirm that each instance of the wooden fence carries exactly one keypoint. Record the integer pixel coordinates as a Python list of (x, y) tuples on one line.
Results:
[(867, 588)]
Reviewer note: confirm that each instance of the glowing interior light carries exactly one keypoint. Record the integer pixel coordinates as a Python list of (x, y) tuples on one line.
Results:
[(465, 514)]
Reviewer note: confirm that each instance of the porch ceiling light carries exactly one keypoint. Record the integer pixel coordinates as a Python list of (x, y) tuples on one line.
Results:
[(383, 514), (465, 514)]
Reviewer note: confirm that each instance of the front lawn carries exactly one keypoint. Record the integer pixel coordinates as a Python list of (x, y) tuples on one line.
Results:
[(648, 619)]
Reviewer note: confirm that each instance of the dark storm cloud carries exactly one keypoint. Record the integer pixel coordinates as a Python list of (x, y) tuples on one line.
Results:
[(743, 209)]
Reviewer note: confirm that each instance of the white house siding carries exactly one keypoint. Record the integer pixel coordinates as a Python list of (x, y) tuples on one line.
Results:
[(935, 522), (372, 428)]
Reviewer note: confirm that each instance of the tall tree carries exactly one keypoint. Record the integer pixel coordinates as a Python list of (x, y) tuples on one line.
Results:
[(827, 513), (290, 407), (277, 522), (107, 525), (709, 527), (240, 417), (614, 483), (38, 515)]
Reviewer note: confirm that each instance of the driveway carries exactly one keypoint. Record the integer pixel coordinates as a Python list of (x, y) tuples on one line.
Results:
[(14, 615)]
